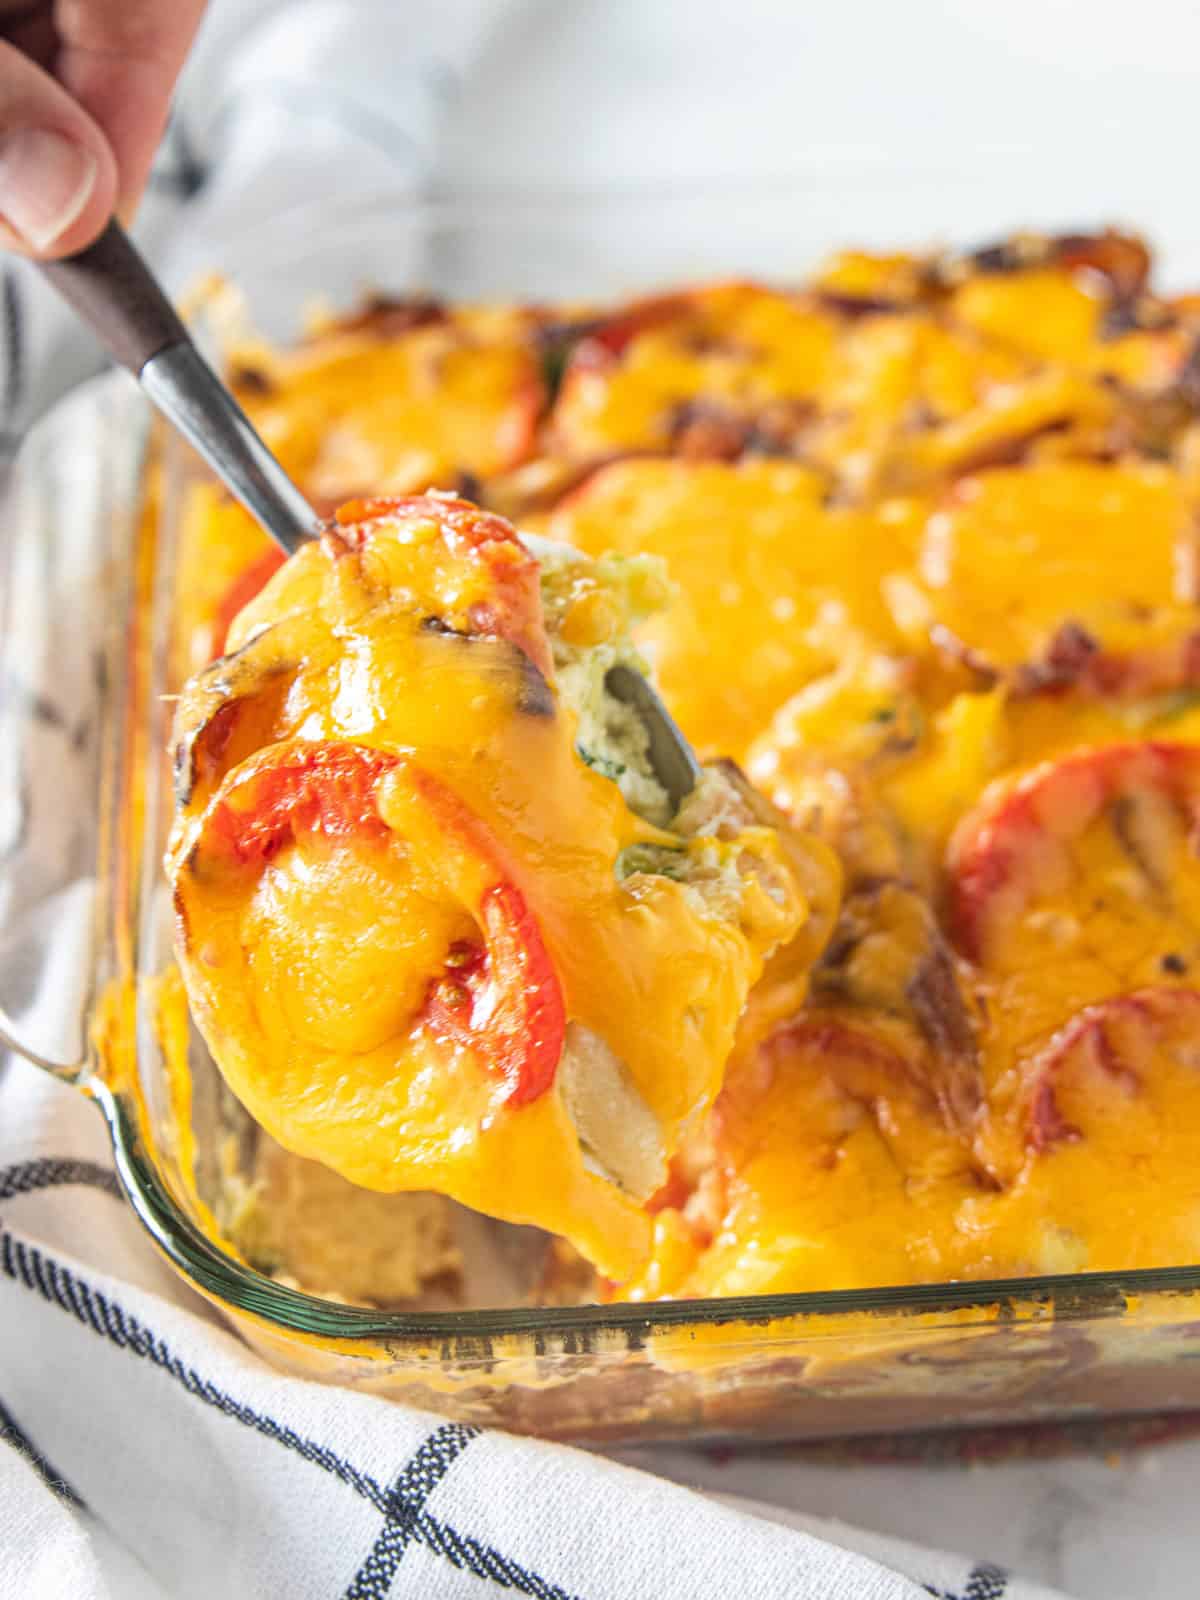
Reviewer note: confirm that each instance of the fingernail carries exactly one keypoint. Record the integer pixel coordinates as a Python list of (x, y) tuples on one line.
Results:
[(45, 182)]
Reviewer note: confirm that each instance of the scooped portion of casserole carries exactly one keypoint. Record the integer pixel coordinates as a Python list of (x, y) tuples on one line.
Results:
[(926, 992), (436, 919)]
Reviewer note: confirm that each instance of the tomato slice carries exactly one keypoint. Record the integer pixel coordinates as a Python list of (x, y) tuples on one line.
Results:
[(315, 788), (1122, 259), (609, 337), (241, 591), (513, 607), (502, 999), (1021, 843), (1105, 1052), (839, 1071), (499, 995), (835, 1165)]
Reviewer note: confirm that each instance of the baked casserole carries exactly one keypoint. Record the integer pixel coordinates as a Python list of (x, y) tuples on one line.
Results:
[(907, 991)]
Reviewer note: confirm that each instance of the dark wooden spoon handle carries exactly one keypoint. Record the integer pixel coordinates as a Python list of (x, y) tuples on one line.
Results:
[(119, 298)]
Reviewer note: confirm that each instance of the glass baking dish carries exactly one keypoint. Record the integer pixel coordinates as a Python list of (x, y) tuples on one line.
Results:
[(87, 564)]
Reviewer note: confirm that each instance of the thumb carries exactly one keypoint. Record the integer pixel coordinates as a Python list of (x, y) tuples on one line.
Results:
[(58, 178)]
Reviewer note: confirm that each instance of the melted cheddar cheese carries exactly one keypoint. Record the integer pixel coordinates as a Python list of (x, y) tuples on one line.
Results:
[(770, 582), (454, 395), (931, 527), (428, 943)]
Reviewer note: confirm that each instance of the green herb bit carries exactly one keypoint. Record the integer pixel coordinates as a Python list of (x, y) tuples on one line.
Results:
[(1163, 708), (660, 860), (604, 765)]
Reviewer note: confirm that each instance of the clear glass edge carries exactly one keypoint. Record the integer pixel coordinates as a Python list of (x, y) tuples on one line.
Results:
[(1080, 1295), (109, 397)]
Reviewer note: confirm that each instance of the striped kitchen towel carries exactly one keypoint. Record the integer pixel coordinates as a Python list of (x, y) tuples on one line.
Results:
[(149, 1453)]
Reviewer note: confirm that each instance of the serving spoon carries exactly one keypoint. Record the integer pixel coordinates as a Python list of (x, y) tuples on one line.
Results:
[(111, 288)]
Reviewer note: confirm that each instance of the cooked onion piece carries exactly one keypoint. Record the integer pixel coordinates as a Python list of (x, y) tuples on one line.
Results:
[(427, 937)]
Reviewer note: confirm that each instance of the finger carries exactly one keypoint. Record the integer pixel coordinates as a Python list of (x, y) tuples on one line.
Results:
[(120, 60), (58, 176)]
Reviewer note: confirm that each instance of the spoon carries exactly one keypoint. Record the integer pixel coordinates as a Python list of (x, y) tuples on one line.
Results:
[(116, 294)]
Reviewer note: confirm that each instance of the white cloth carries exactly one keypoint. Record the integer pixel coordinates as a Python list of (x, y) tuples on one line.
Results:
[(147, 1451), (141, 1417)]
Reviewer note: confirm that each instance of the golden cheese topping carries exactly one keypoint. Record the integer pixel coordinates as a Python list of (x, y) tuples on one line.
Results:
[(429, 944), (930, 525), (225, 559), (834, 1167), (452, 393), (667, 369), (1110, 547), (771, 586)]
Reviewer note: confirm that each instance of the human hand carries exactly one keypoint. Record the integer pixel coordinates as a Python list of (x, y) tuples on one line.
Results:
[(84, 90)]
